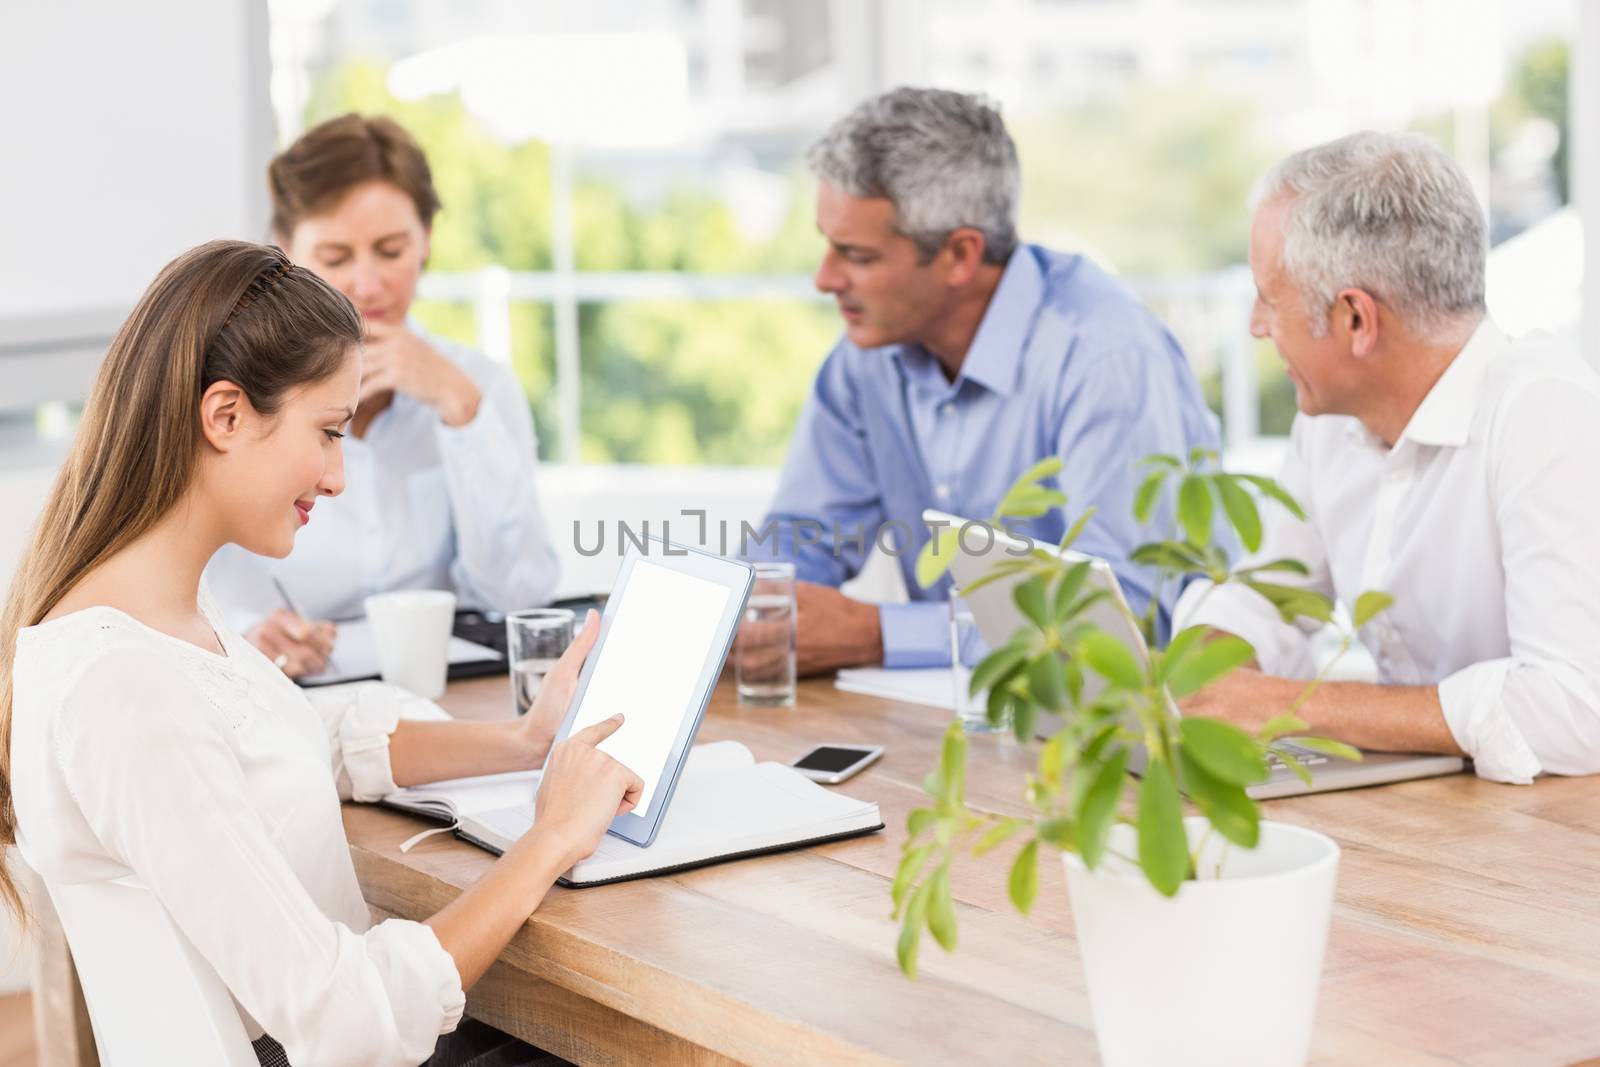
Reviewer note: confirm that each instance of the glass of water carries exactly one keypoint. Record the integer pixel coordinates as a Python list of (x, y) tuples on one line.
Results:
[(966, 651), (535, 639), (764, 653)]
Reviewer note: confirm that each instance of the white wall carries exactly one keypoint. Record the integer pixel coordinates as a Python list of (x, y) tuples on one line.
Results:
[(130, 132)]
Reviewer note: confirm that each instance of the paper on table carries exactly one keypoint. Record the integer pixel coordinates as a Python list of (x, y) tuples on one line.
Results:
[(933, 686), (355, 654)]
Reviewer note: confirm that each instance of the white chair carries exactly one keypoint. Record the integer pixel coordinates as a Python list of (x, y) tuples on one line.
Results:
[(152, 998)]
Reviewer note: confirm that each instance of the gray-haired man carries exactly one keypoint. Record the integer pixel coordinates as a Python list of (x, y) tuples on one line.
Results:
[(1436, 460), (967, 357)]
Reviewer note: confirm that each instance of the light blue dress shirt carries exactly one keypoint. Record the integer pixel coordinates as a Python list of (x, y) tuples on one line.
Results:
[(1066, 362)]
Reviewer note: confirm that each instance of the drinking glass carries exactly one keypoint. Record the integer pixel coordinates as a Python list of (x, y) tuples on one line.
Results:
[(764, 653), (535, 639), (966, 651)]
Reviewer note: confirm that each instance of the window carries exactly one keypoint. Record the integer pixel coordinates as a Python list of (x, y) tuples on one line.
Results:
[(637, 242)]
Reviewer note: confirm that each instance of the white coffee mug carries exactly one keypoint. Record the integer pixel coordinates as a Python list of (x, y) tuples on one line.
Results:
[(411, 629)]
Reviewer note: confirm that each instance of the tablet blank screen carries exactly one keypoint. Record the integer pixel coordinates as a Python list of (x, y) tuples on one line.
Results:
[(655, 650)]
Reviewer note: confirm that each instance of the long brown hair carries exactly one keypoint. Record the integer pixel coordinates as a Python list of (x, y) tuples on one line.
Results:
[(226, 311), (333, 157)]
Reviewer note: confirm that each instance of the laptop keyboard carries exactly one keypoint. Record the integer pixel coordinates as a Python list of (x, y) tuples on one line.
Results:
[(1306, 756)]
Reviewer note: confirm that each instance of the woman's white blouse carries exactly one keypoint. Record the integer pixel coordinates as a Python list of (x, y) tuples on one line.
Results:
[(425, 506), (214, 782)]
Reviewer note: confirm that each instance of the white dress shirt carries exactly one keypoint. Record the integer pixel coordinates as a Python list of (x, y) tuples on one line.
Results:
[(1483, 522), (425, 506), (212, 782)]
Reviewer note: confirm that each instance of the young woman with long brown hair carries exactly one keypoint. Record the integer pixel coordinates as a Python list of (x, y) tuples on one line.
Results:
[(145, 744)]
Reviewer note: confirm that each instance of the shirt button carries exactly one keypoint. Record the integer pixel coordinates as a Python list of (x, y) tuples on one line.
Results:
[(943, 492), (946, 408)]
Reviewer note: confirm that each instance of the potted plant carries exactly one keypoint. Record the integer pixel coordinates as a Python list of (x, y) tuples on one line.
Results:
[(1202, 937)]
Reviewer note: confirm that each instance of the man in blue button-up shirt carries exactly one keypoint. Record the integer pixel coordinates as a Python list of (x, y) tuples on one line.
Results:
[(967, 357)]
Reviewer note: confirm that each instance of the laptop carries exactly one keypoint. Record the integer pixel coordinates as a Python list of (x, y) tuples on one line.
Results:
[(997, 617)]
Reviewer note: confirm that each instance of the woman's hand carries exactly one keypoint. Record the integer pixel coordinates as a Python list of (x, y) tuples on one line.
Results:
[(582, 790), (539, 726), (298, 646), (397, 360)]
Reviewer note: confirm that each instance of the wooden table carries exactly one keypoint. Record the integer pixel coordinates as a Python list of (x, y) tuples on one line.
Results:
[(1466, 928)]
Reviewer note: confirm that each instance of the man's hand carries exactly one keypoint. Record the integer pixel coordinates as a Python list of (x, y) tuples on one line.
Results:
[(1379, 718), (397, 360), (835, 631), (1246, 698)]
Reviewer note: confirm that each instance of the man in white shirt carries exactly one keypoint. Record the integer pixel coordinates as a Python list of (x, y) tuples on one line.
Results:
[(1436, 460)]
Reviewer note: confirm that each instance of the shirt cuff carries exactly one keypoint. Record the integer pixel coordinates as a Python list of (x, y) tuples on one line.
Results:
[(416, 970), (915, 635), (1471, 699), (364, 742)]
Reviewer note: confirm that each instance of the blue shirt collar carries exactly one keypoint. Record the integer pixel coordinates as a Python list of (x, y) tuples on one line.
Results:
[(995, 357)]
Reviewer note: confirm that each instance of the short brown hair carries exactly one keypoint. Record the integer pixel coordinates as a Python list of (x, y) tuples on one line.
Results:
[(333, 157)]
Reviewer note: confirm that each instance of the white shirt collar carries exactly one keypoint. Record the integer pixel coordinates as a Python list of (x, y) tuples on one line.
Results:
[(1445, 415)]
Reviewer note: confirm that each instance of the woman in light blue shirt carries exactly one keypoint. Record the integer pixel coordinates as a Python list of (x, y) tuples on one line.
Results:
[(441, 456)]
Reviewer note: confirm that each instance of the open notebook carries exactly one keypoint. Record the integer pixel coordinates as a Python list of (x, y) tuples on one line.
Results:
[(727, 806)]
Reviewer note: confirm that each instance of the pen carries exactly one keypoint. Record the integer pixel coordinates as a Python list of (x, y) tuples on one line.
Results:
[(288, 602)]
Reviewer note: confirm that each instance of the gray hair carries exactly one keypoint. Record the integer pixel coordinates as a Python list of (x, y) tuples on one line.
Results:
[(942, 158), (1389, 213)]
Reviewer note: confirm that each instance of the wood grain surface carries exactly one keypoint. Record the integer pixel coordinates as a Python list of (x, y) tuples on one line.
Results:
[(1466, 926)]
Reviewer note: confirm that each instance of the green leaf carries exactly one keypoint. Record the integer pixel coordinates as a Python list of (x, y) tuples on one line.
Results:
[(1288, 759), (942, 910), (1168, 555), (1207, 663), (1099, 805), (997, 666), (1067, 589), (1279, 725), (1293, 601), (1328, 747), (918, 821), (1241, 509), (1289, 566), (1030, 600), (996, 834), (995, 709), (953, 762), (1200, 454), (1226, 805), (1023, 715), (1059, 831), (1194, 509), (1272, 489), (1046, 682), (1161, 459), (1024, 882), (911, 865), (1149, 491), (911, 928), (1223, 749), (1031, 502), (1053, 760), (936, 556), (1075, 531), (996, 573), (1111, 659), (1368, 605), (1047, 467), (1163, 847), (1178, 649)]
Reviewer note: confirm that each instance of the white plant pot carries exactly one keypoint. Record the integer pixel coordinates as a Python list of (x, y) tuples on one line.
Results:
[(1225, 972)]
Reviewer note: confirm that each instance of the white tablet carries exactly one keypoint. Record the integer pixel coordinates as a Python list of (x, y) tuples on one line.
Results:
[(666, 631)]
